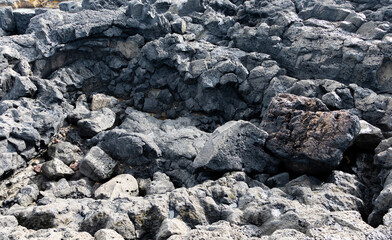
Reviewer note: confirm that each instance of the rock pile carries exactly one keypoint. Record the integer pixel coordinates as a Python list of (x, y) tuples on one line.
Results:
[(196, 119)]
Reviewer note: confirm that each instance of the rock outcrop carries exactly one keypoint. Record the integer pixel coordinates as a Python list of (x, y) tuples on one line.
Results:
[(195, 119)]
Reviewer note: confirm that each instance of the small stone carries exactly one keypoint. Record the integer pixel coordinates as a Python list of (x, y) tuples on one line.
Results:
[(7, 21), (27, 195), (160, 184), (100, 100), (369, 137), (8, 221), (171, 227), (97, 165), (96, 122), (65, 151), (179, 26), (107, 234), (23, 87), (121, 186), (9, 162), (278, 180), (70, 6), (56, 169)]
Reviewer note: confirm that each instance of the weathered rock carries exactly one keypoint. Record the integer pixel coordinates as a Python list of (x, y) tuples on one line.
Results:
[(97, 165), (102, 101), (172, 227), (121, 186), (237, 145), (70, 6), (133, 149), (381, 206), (56, 169), (66, 152), (23, 87), (27, 195), (7, 20), (278, 180), (160, 184), (369, 137), (96, 220), (22, 19), (8, 221), (97, 5), (308, 137), (383, 154), (97, 121), (107, 234), (9, 162)]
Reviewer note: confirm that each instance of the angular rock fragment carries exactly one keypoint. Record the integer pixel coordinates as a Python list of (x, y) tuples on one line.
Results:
[(65, 151), (171, 227), (160, 184), (56, 169), (121, 186), (23, 87), (305, 135), (96, 122), (369, 137), (235, 146), (9, 162), (27, 195), (107, 234), (97, 165), (383, 154)]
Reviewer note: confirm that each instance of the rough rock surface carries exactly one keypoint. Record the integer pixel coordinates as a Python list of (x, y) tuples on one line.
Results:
[(309, 138), (196, 119)]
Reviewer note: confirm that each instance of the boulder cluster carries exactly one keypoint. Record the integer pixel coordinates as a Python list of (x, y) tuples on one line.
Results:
[(196, 119)]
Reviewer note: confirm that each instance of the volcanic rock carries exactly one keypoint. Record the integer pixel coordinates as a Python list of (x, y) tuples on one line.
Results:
[(305, 135)]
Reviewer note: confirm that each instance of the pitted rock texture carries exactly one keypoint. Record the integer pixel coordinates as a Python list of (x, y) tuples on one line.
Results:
[(195, 119), (306, 135)]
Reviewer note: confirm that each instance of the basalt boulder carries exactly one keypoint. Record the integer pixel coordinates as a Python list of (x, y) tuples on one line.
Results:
[(306, 135)]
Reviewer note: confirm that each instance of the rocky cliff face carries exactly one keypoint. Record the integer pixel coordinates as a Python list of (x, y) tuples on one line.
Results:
[(196, 119)]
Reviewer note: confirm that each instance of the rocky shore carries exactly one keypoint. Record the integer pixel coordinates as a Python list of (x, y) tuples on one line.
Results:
[(196, 119)]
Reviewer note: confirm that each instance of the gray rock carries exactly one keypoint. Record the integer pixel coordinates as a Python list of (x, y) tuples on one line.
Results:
[(381, 205), (179, 26), (107, 234), (97, 5), (7, 21), (121, 186), (370, 30), (80, 111), (143, 184), (10, 162), (96, 220), (278, 180), (27, 195), (22, 19), (293, 124), (133, 149), (66, 152), (172, 227), (56, 169), (160, 184), (97, 165), (70, 189), (97, 121), (369, 137), (8, 221), (237, 145), (70, 6), (23, 87), (383, 154), (102, 101)]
